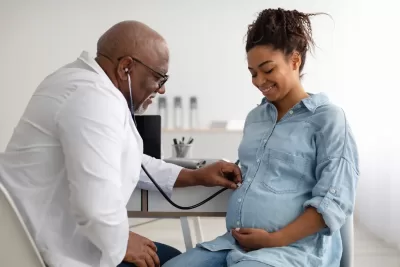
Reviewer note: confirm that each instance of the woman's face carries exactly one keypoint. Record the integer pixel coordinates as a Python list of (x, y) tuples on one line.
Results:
[(273, 73)]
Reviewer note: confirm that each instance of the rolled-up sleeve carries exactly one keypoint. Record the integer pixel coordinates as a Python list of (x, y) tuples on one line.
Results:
[(336, 172), (165, 174), (91, 131)]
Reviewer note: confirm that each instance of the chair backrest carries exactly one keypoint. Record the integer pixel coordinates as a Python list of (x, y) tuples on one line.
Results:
[(347, 233), (17, 247)]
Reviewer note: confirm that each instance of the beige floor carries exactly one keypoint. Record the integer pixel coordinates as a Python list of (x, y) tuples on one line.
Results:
[(369, 251)]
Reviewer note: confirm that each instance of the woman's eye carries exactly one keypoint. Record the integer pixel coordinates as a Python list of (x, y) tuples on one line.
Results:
[(254, 74), (269, 71)]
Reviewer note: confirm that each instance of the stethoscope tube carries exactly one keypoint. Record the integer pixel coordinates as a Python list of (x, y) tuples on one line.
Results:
[(176, 205)]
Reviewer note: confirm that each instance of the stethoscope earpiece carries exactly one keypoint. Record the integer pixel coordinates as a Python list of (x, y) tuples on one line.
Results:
[(126, 70)]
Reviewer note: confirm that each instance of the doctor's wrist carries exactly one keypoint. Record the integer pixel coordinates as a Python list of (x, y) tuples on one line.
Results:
[(187, 178)]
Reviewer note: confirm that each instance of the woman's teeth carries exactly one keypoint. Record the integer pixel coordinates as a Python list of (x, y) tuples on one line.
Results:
[(268, 88)]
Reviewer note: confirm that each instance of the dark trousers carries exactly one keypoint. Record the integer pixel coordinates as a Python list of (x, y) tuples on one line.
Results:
[(164, 253)]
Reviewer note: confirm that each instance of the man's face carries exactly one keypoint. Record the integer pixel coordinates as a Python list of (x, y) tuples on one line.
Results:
[(149, 76), (148, 101), (143, 107)]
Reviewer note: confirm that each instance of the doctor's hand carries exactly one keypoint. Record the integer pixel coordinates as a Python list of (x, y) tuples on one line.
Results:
[(141, 251), (221, 173)]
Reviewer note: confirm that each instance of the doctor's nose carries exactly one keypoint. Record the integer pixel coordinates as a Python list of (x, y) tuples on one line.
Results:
[(161, 91)]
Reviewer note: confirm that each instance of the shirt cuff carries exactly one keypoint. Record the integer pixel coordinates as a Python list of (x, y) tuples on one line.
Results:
[(175, 170), (165, 174), (330, 210)]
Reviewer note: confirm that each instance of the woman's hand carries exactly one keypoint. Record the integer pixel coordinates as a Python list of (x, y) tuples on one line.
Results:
[(252, 239), (309, 223)]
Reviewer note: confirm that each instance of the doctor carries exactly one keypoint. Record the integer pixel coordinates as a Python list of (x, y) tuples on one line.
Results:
[(75, 156)]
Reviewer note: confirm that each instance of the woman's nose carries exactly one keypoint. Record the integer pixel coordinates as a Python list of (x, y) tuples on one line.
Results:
[(259, 81)]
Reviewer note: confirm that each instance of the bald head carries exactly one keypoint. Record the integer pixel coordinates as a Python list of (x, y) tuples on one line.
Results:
[(132, 38), (135, 58)]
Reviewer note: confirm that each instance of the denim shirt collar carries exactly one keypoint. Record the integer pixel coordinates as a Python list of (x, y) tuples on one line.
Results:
[(312, 102)]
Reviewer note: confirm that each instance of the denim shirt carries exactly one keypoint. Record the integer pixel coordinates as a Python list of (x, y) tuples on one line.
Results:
[(308, 158)]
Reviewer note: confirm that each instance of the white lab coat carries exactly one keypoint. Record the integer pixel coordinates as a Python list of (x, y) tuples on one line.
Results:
[(72, 165)]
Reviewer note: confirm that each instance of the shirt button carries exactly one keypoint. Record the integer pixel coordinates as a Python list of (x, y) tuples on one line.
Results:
[(265, 140), (239, 200), (333, 191), (249, 180), (291, 112), (258, 160), (238, 223)]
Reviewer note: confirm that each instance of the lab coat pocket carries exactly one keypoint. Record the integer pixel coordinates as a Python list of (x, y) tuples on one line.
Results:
[(284, 172)]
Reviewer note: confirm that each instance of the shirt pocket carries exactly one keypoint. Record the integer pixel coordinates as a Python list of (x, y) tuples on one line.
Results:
[(284, 172)]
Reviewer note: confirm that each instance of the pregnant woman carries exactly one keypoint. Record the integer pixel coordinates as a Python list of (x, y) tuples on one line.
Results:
[(299, 162)]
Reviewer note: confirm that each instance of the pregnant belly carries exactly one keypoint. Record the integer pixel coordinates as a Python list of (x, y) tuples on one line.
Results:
[(265, 211)]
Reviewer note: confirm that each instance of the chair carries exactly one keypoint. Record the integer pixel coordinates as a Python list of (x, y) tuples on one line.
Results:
[(347, 233), (17, 247)]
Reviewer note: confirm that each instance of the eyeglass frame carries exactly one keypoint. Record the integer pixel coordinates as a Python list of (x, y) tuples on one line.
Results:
[(163, 76)]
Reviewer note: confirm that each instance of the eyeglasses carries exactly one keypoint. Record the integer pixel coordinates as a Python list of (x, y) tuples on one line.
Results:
[(164, 77)]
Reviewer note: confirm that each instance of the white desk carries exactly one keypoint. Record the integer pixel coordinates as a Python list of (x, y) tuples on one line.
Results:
[(135, 202), (144, 204)]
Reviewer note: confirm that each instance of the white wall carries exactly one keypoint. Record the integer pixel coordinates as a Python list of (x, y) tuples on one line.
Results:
[(356, 64), (206, 40), (372, 83)]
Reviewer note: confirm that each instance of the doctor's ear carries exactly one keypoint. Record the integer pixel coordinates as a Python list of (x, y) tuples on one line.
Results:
[(125, 67), (123, 73)]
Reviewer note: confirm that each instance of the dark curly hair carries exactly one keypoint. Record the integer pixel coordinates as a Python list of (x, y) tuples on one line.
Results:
[(285, 30)]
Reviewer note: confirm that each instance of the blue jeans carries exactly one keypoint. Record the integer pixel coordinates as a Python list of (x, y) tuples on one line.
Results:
[(200, 257), (164, 253)]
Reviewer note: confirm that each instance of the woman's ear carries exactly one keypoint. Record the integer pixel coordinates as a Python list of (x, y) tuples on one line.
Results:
[(296, 60)]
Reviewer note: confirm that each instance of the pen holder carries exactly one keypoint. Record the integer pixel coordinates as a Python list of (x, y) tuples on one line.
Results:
[(182, 151)]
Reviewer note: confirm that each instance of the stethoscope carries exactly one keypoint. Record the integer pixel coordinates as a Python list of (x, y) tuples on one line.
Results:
[(151, 178)]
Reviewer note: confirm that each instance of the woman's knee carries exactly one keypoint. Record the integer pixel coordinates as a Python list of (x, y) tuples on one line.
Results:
[(165, 252), (198, 257)]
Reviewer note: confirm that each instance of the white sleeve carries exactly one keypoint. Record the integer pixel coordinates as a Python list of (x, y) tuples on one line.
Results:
[(165, 174), (91, 131)]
